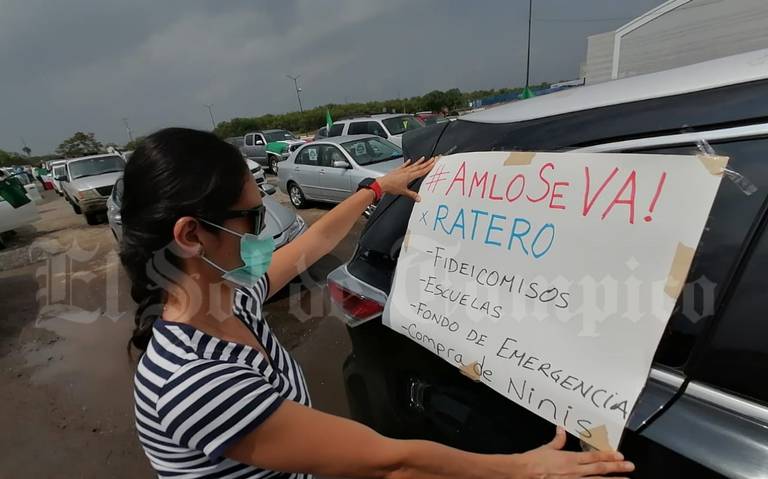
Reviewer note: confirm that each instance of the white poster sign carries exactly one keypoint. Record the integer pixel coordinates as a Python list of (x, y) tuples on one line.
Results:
[(550, 277)]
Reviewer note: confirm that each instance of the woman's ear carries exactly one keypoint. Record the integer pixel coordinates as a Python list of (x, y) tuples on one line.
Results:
[(187, 234)]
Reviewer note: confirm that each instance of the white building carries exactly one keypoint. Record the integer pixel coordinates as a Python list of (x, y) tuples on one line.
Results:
[(677, 33)]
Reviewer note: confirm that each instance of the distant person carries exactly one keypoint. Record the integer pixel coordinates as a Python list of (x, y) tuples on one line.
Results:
[(216, 394)]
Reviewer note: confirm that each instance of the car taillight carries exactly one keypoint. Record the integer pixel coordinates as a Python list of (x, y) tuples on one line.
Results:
[(357, 308)]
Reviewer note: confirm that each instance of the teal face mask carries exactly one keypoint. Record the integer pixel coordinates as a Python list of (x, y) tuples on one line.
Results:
[(256, 254)]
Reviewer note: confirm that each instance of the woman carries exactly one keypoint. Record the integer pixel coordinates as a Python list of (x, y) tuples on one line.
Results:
[(216, 394)]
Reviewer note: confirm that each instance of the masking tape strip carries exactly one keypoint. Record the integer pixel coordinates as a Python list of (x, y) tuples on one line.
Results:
[(598, 438), (471, 371), (715, 164), (678, 272), (406, 240), (519, 158)]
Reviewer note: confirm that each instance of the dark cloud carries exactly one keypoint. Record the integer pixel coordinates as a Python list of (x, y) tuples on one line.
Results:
[(85, 64)]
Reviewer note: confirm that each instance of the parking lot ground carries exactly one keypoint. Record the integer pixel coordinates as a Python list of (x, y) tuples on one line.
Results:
[(65, 373)]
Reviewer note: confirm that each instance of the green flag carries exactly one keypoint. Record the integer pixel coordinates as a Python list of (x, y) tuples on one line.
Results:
[(328, 120), (527, 93)]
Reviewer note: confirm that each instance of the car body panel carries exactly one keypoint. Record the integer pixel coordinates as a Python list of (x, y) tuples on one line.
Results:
[(256, 170), (58, 167), (12, 218), (253, 151), (96, 204)]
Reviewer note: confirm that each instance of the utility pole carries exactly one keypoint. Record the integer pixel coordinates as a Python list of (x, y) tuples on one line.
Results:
[(210, 112), (128, 129), (527, 93), (26, 148), (298, 90)]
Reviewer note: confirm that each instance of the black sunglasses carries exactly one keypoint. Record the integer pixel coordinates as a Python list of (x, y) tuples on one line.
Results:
[(257, 217)]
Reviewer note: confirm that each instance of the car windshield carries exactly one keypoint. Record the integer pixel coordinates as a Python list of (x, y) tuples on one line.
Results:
[(371, 150), (401, 124), (95, 166), (279, 135)]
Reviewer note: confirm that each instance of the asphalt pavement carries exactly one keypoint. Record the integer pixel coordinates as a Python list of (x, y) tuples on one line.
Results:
[(65, 319)]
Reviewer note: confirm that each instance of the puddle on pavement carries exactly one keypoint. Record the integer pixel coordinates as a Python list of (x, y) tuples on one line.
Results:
[(88, 353)]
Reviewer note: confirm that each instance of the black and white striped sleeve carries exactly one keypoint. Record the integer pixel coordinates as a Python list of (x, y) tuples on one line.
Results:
[(209, 405)]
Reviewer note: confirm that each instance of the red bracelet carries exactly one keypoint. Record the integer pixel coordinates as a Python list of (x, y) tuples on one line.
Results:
[(376, 188)]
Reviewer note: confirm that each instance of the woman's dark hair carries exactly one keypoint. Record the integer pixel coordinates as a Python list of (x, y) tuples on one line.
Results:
[(173, 173)]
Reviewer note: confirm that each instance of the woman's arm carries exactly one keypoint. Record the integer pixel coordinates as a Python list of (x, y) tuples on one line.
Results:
[(299, 439), (328, 231)]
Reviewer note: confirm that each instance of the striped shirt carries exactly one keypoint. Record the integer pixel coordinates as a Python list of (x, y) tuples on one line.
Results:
[(197, 395)]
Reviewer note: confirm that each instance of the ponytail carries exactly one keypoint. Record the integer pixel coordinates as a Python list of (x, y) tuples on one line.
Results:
[(150, 307)]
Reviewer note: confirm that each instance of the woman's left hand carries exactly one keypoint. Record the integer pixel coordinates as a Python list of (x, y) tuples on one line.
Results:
[(396, 181)]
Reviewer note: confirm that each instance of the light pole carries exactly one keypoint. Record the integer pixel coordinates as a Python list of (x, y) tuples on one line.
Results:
[(527, 93), (128, 129), (210, 112), (298, 90)]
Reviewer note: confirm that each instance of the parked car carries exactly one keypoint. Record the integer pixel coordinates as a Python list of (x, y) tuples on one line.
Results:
[(330, 169), (388, 126), (58, 169), (282, 223), (257, 171), (12, 218), (88, 183), (321, 134), (269, 147), (703, 412), (429, 117)]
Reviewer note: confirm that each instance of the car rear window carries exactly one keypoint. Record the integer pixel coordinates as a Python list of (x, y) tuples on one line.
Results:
[(730, 219), (401, 124), (371, 150), (736, 357), (336, 129)]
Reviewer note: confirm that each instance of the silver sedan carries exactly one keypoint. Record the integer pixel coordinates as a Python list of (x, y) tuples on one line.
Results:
[(330, 169), (283, 224)]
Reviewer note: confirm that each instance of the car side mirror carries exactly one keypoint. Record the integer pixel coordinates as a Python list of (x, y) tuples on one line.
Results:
[(259, 142), (61, 178), (268, 189), (341, 164)]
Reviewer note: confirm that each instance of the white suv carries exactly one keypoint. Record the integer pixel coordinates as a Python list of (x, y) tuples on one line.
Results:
[(390, 126)]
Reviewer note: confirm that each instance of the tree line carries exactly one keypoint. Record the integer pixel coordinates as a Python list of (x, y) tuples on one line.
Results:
[(312, 119), (83, 143)]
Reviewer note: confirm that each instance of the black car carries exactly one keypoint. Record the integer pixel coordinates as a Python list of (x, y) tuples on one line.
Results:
[(704, 410)]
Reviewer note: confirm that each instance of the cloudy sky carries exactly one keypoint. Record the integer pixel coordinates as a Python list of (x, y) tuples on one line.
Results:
[(87, 64)]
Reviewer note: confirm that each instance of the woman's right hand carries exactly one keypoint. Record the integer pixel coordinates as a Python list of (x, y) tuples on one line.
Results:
[(550, 462)]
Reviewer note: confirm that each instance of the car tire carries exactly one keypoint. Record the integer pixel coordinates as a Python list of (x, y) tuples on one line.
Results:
[(91, 218), (296, 195), (273, 164)]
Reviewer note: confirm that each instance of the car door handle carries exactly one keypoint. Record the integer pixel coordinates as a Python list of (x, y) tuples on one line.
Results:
[(322, 172)]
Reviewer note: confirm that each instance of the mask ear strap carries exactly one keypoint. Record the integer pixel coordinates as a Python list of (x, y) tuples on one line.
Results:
[(221, 227), (212, 264)]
